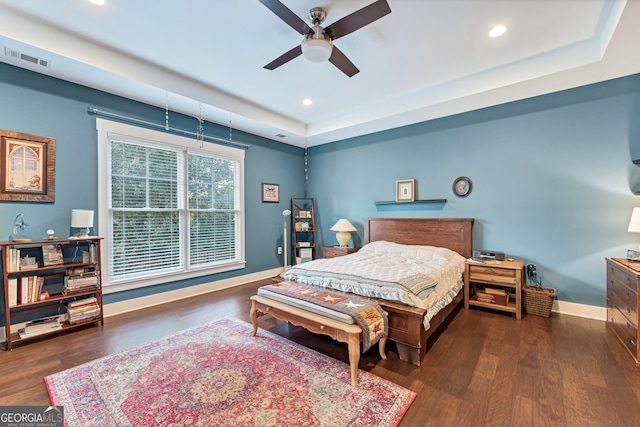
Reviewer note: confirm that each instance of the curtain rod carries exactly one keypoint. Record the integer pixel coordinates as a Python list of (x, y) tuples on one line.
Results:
[(96, 112)]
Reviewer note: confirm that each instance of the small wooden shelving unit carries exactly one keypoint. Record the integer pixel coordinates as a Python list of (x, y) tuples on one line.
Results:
[(52, 279), (303, 226)]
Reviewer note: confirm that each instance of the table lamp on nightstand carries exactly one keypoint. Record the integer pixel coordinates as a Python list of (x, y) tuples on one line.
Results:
[(344, 229)]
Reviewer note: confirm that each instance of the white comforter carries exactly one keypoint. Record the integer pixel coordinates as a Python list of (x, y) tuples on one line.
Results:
[(427, 277)]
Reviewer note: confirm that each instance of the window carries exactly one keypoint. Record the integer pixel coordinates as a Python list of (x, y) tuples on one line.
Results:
[(169, 207)]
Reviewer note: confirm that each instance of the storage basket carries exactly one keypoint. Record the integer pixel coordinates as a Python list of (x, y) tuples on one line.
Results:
[(538, 300)]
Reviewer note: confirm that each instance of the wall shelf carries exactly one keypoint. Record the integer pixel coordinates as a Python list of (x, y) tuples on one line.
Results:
[(392, 202)]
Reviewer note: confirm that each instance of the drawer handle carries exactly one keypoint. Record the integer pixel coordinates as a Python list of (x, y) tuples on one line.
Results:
[(322, 327)]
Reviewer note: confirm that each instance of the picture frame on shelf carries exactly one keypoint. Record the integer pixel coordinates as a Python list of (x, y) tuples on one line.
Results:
[(405, 190), (462, 186), (27, 167), (270, 193), (52, 254)]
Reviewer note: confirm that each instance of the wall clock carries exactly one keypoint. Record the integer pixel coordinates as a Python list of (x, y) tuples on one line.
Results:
[(462, 186)]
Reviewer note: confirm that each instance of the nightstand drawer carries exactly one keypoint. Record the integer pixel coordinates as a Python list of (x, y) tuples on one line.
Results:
[(484, 274), (336, 251), (623, 277)]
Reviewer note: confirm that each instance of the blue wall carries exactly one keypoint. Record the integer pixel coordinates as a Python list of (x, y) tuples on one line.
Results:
[(37, 104), (551, 180), (552, 175)]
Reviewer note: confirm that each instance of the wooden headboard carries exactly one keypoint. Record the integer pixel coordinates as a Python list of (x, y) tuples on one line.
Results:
[(452, 233)]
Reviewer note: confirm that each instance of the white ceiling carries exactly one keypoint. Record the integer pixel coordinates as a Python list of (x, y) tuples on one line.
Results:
[(427, 59)]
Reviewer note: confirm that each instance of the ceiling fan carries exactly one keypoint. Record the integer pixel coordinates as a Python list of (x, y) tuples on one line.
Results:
[(317, 44)]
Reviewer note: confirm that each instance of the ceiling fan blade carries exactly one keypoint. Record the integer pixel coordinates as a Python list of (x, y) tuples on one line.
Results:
[(358, 19), (290, 18), (343, 63), (284, 58)]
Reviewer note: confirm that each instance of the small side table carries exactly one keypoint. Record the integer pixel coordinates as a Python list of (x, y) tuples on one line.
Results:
[(336, 251), (502, 274)]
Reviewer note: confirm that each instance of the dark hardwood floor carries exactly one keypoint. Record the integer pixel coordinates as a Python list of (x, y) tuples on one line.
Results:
[(484, 368)]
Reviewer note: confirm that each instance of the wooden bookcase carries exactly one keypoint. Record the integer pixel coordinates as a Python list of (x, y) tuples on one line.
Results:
[(303, 227), (67, 271)]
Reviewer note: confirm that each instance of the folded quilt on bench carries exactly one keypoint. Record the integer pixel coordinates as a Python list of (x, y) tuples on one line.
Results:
[(366, 313)]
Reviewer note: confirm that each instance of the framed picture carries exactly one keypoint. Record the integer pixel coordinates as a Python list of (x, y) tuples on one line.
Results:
[(632, 255), (270, 193), (27, 167), (462, 186), (405, 190)]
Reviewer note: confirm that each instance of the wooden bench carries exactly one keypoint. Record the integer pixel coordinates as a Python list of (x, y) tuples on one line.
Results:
[(317, 324)]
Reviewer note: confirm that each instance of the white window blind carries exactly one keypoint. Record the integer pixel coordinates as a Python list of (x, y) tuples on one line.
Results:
[(145, 209), (213, 215), (173, 206)]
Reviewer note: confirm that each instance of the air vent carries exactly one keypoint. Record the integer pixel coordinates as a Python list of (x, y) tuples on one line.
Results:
[(12, 53)]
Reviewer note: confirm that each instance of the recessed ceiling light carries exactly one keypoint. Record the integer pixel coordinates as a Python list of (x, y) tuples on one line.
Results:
[(307, 101), (497, 31), (100, 2)]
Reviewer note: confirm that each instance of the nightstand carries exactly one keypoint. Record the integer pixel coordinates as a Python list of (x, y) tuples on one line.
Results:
[(483, 284), (335, 251)]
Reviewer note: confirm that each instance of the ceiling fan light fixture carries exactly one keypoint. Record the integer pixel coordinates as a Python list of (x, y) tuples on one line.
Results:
[(497, 31), (316, 47)]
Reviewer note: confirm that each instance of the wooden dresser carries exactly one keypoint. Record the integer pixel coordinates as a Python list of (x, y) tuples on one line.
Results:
[(622, 302)]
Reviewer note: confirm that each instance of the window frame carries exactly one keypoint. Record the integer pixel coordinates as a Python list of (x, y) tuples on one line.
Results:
[(106, 130)]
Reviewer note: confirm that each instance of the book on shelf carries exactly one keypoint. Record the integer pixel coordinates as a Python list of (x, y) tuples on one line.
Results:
[(24, 290), (52, 254), (83, 309), (40, 326), (495, 291), (82, 302), (29, 290), (80, 279), (13, 291), (28, 263)]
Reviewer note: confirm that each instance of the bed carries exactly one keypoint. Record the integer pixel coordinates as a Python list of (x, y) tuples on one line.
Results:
[(411, 326)]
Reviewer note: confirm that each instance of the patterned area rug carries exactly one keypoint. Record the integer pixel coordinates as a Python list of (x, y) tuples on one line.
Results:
[(219, 375)]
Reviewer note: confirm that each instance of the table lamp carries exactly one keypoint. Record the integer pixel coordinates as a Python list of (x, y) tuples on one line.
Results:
[(82, 220), (634, 223), (344, 229)]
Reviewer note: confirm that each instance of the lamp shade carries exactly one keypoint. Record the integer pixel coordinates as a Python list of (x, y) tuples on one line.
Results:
[(634, 223), (343, 225), (81, 218), (343, 228), (315, 47)]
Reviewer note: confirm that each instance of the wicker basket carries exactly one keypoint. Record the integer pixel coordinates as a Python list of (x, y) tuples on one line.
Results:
[(538, 300)]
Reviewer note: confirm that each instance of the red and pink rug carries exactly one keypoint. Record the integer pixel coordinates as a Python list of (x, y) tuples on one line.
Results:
[(219, 375)]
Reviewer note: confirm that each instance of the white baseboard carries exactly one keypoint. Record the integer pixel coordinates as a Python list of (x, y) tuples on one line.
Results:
[(580, 310)]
